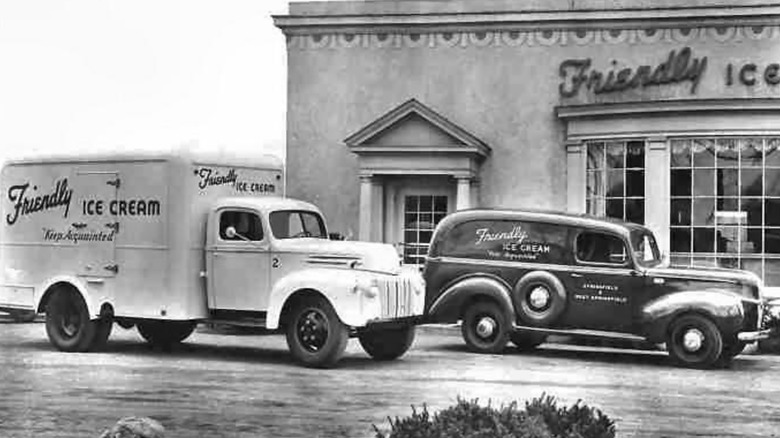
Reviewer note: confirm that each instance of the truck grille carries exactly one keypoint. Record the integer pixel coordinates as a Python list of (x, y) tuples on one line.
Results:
[(396, 295)]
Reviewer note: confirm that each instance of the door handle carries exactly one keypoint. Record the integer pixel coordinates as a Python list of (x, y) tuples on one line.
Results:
[(575, 275)]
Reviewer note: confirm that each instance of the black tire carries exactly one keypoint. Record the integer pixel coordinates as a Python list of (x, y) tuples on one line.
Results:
[(539, 299), (165, 333), (103, 328), (485, 327), (731, 350), (694, 341), (316, 336), (387, 344), (527, 341), (67, 322), (23, 315)]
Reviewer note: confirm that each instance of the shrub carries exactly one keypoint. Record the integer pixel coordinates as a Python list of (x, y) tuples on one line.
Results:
[(541, 418)]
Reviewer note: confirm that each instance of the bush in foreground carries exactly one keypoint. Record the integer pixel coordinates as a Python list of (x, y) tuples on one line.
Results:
[(541, 418)]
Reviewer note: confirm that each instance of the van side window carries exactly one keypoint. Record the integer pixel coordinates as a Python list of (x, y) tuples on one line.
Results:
[(600, 248), (246, 224)]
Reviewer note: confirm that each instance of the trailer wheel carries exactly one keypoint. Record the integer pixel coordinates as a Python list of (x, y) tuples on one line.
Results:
[(165, 333), (316, 336), (694, 341), (67, 321), (387, 344), (485, 327)]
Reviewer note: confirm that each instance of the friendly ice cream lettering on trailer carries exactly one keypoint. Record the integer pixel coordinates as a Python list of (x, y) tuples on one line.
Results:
[(27, 202)]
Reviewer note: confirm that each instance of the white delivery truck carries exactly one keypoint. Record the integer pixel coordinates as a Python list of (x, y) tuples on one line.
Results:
[(166, 241)]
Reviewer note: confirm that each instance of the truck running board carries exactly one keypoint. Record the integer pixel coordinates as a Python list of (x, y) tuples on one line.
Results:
[(582, 332)]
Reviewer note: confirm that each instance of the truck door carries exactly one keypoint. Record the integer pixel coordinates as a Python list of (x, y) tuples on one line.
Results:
[(93, 229), (603, 283), (239, 265)]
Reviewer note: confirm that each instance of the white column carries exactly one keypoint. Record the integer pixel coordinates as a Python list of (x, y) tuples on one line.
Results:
[(377, 210), (463, 196), (575, 177), (657, 184), (366, 192)]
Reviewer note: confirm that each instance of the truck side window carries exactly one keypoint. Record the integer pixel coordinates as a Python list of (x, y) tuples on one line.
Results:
[(600, 248), (246, 224)]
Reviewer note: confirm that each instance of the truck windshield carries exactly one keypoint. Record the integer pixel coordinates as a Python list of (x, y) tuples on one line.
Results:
[(293, 224), (645, 249)]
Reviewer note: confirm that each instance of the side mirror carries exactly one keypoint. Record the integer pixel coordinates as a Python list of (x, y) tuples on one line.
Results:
[(231, 233), (335, 236)]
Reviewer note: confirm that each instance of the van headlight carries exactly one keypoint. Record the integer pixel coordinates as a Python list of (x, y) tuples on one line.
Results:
[(367, 286)]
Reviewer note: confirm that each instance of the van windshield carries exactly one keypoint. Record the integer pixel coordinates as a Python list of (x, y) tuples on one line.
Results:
[(645, 249), (294, 224)]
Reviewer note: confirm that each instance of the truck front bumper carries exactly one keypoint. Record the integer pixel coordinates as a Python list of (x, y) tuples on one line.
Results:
[(756, 335)]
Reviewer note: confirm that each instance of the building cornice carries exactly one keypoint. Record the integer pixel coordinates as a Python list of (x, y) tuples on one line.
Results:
[(667, 107)]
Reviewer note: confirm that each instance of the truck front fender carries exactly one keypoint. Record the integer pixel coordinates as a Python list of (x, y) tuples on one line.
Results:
[(723, 307), (449, 305), (336, 285), (50, 285)]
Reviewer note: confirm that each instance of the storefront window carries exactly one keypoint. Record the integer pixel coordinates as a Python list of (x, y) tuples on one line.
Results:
[(725, 203), (421, 215), (616, 180)]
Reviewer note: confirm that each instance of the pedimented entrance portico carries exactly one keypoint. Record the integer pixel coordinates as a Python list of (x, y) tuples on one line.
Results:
[(408, 158)]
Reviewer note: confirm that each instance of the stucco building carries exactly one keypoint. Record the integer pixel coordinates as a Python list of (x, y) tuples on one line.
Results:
[(662, 112)]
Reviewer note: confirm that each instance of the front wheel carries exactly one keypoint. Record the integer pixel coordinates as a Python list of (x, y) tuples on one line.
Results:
[(165, 333), (695, 341), (68, 324), (387, 344), (485, 328), (316, 336)]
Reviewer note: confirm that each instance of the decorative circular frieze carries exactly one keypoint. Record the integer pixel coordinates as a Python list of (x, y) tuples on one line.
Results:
[(545, 37)]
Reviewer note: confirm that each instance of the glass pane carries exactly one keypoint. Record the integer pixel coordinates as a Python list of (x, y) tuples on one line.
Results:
[(615, 183), (680, 239), (412, 203), (727, 152), (703, 261), (596, 183), (772, 240), (615, 208), (680, 260), (704, 182), (597, 206), (704, 239), (426, 221), (754, 265), (728, 204), (772, 273), (681, 182), (410, 236), (425, 236), (635, 210), (752, 152), (728, 262), (752, 182), (728, 182), (426, 203), (772, 212), (409, 219), (636, 155), (728, 239), (772, 152), (772, 181), (754, 242), (440, 204), (753, 207), (681, 211), (704, 153), (595, 156), (635, 183), (616, 155), (703, 211), (437, 217), (681, 153)]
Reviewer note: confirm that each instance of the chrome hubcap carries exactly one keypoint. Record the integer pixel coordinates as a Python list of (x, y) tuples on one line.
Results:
[(693, 340), (539, 297), (486, 327)]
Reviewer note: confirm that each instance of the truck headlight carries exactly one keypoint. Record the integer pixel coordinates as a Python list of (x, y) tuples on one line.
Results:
[(368, 287)]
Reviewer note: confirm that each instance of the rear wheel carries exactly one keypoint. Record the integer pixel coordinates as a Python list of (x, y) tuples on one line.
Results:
[(485, 327), (387, 344), (695, 341), (67, 321), (316, 336), (165, 333), (527, 341), (731, 350)]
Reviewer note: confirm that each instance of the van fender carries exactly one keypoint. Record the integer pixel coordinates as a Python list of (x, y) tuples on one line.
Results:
[(77, 283), (336, 285), (448, 306), (723, 307)]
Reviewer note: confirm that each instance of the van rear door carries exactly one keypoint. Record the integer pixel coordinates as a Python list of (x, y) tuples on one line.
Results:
[(94, 229)]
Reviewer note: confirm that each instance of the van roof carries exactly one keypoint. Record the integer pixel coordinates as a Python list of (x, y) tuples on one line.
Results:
[(184, 156), (553, 217)]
